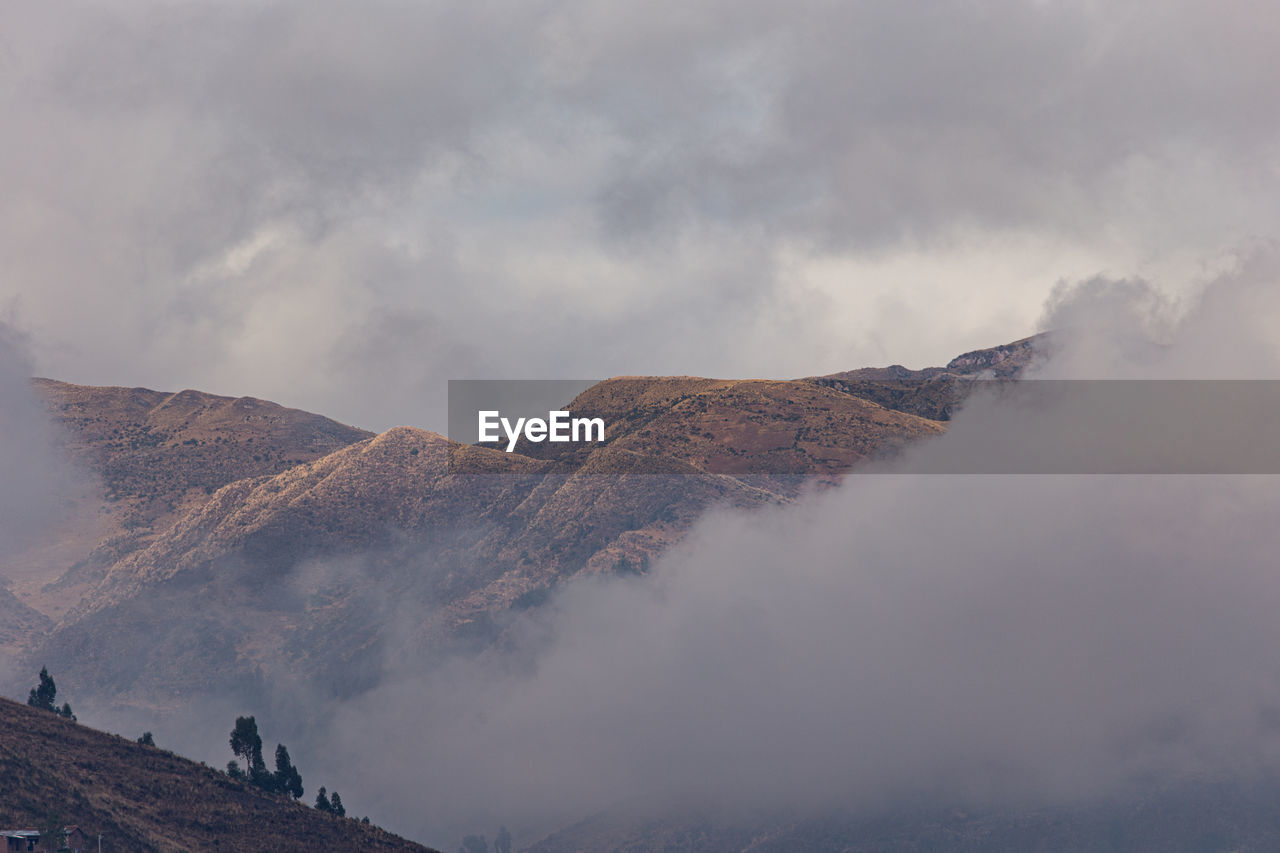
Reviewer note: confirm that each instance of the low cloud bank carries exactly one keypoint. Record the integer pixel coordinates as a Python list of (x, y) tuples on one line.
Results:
[(966, 639), (36, 481)]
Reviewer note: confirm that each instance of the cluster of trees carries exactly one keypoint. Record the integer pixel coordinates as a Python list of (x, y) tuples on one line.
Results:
[(332, 804), (246, 743), (477, 844), (44, 694)]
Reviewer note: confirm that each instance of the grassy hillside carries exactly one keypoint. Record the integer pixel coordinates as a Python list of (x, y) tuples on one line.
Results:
[(146, 799), (149, 457), (778, 430), (228, 590), (157, 452)]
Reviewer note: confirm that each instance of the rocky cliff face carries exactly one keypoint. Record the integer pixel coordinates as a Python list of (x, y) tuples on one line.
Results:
[(937, 392), (1002, 362)]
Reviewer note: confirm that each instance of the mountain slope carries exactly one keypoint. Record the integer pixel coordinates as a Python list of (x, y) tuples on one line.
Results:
[(783, 430), (308, 571), (157, 451), (146, 799), (256, 539), (146, 458)]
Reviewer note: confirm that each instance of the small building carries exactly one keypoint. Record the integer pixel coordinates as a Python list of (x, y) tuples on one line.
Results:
[(74, 840), (20, 839), (28, 841)]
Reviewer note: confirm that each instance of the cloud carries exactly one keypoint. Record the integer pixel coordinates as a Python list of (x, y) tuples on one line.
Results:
[(240, 197), (973, 640), (969, 640), (1135, 329), (36, 480)]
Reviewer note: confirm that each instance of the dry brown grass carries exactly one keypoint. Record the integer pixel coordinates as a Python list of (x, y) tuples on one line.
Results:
[(147, 799), (494, 534)]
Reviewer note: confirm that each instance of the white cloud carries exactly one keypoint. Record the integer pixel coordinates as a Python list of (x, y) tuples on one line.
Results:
[(728, 189)]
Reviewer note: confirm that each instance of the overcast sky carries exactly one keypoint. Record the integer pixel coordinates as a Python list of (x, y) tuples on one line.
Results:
[(341, 205)]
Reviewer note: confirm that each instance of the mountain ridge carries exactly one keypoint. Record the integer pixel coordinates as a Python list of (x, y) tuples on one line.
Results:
[(226, 509)]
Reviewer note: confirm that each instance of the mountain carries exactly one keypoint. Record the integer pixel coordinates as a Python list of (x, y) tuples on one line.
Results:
[(141, 798), (782, 431), (216, 562), (227, 548), (256, 576), (231, 537), (152, 457)]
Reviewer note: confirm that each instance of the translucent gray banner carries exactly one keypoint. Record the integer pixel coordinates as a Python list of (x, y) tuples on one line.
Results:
[(995, 427), (1107, 427)]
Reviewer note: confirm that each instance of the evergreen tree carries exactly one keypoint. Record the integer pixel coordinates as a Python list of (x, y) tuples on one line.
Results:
[(43, 695), (148, 740), (322, 801), (335, 802), (247, 744), (502, 844), (261, 777), (234, 771), (288, 779), (66, 712)]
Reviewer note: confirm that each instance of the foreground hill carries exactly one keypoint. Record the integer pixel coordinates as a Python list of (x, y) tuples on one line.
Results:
[(144, 799)]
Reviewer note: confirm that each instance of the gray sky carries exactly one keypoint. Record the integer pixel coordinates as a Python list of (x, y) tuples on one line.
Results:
[(340, 205)]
